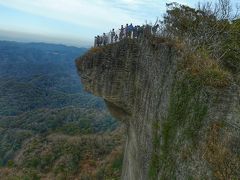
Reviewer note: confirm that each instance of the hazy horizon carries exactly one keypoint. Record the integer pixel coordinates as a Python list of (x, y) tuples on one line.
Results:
[(38, 38), (75, 22)]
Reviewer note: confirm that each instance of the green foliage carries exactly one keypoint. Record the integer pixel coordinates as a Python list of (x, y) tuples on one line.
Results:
[(206, 70), (186, 113), (206, 28), (112, 170), (117, 163), (34, 77), (10, 163), (231, 47), (183, 21), (155, 159), (215, 77), (12, 174), (46, 119), (64, 154), (83, 127)]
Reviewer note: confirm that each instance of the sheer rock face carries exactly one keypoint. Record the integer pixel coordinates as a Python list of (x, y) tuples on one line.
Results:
[(175, 127)]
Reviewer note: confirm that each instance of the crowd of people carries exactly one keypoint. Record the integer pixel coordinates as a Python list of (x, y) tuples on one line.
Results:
[(129, 31)]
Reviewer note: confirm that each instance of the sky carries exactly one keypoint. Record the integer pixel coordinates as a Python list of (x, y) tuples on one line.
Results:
[(75, 22)]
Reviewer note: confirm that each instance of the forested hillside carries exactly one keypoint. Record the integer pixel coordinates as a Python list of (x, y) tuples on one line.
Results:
[(49, 127)]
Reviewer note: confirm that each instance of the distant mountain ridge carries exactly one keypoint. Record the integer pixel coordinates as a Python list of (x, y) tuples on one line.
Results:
[(36, 74), (41, 96)]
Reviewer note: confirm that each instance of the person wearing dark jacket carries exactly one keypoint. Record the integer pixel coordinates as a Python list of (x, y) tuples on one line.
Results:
[(135, 31), (130, 30), (95, 41), (116, 38), (99, 41), (140, 31)]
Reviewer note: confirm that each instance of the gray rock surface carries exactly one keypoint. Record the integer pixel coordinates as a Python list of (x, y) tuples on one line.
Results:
[(176, 127)]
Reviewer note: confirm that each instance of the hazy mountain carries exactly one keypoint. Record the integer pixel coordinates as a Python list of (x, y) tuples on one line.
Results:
[(41, 97)]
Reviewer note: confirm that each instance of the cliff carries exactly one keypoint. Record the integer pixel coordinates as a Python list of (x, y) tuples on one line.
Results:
[(182, 111)]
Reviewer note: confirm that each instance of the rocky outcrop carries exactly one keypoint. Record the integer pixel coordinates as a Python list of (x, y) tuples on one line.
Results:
[(178, 125)]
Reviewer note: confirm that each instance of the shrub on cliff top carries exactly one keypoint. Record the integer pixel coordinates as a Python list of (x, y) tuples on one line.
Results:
[(95, 49), (206, 70), (232, 47), (213, 28)]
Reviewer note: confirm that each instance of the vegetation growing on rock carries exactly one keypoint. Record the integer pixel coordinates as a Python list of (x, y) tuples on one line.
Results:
[(176, 89)]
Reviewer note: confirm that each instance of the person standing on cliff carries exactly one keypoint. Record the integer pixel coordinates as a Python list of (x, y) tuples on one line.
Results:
[(112, 35), (121, 34), (126, 31), (130, 31), (116, 38), (98, 41), (104, 37), (95, 41), (135, 32), (140, 31)]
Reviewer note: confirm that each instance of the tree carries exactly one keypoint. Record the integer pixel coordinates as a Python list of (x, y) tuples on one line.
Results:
[(206, 27), (232, 47)]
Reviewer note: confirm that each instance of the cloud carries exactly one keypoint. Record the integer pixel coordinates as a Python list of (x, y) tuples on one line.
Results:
[(91, 13), (95, 14), (88, 17)]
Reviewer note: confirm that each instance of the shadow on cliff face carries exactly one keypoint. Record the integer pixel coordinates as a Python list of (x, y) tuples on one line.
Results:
[(118, 112)]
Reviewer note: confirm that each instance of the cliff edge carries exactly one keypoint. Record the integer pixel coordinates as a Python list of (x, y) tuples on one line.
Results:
[(182, 111)]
